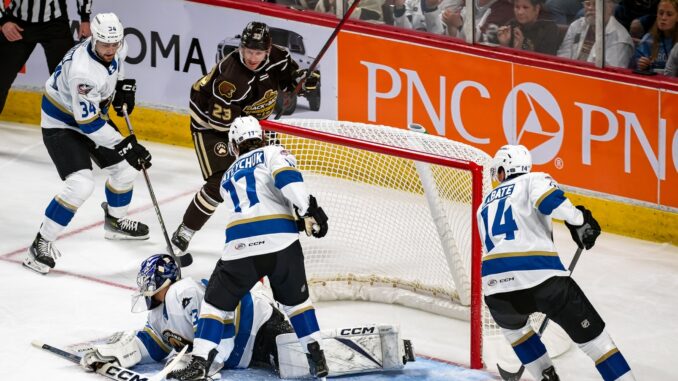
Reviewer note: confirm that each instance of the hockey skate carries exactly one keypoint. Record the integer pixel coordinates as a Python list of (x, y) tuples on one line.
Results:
[(41, 255), (180, 240), (316, 361), (549, 374), (123, 228)]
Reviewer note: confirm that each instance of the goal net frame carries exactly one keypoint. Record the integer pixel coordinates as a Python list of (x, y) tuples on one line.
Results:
[(473, 298)]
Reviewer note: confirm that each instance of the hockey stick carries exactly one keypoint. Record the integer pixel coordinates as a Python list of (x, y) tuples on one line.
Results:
[(299, 85), (509, 376), (110, 370), (182, 260)]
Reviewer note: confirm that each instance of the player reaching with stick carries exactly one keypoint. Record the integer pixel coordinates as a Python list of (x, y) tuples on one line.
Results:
[(76, 130), (523, 274)]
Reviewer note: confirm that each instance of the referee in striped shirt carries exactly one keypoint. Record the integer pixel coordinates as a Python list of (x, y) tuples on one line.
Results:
[(26, 23)]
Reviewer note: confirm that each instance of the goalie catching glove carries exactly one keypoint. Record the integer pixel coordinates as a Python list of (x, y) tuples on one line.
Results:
[(122, 348), (314, 222), (585, 235)]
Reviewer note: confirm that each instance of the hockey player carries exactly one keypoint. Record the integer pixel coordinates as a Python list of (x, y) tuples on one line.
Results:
[(76, 130), (245, 82), (174, 307), (262, 239), (522, 272)]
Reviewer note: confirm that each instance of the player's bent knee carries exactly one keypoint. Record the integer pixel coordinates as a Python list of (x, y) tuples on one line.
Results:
[(122, 175), (79, 186)]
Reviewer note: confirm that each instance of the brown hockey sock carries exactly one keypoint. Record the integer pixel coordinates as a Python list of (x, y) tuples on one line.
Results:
[(200, 210)]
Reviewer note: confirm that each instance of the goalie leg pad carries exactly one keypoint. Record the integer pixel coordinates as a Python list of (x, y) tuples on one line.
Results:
[(610, 363), (351, 350), (529, 348)]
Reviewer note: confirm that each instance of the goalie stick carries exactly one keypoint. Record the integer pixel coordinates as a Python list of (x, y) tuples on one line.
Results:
[(110, 370), (182, 260), (509, 376)]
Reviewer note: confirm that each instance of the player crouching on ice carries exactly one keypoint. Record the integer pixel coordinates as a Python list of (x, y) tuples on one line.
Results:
[(523, 274), (262, 336)]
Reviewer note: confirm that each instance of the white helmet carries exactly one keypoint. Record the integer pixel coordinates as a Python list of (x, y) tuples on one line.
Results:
[(513, 158), (243, 128), (106, 28)]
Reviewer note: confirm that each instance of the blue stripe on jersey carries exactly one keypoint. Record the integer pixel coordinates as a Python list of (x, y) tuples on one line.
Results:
[(287, 176), (613, 367), (244, 332), (262, 227), (523, 262), (52, 110), (154, 349), (551, 201), (210, 329), (530, 349), (305, 323), (59, 213), (116, 199), (92, 126)]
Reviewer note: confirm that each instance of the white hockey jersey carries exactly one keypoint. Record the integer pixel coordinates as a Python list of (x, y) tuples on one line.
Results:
[(172, 325), (81, 85), (515, 228), (259, 189)]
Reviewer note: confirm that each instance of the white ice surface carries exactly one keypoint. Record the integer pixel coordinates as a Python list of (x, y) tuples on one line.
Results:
[(632, 283)]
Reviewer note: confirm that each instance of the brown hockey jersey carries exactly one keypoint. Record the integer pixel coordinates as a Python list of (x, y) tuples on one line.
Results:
[(231, 90)]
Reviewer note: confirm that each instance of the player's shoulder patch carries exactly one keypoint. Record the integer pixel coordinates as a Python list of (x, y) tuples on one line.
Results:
[(226, 89)]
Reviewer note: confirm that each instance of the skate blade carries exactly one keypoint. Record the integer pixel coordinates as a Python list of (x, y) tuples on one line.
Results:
[(123, 237), (36, 266)]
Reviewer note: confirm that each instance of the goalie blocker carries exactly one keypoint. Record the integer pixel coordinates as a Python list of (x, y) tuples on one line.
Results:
[(361, 349)]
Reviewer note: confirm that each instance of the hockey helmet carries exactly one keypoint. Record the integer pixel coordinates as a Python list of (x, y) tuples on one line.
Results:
[(256, 36), (513, 158), (157, 272), (243, 128), (107, 28)]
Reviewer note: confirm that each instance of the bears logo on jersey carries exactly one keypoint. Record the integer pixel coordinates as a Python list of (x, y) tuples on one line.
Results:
[(226, 89)]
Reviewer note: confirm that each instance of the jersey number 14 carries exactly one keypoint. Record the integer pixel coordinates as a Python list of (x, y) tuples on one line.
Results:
[(506, 228)]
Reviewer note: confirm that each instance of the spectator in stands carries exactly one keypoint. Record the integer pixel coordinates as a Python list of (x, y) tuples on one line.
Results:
[(637, 16), (489, 14), (653, 50), (579, 42), (528, 32), (368, 10), (419, 14), (671, 69)]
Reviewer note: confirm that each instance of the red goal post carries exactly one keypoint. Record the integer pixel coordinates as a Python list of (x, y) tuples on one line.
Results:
[(401, 207)]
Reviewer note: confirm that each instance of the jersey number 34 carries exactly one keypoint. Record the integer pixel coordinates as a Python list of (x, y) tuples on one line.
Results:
[(502, 224)]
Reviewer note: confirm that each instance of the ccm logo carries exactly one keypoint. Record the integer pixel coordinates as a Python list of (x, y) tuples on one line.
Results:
[(256, 243), (123, 374), (356, 331), (128, 87)]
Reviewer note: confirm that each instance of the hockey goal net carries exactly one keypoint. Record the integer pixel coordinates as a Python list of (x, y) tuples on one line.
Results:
[(401, 205)]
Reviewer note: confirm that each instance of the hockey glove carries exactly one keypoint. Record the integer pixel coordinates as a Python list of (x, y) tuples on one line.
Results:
[(312, 82), (136, 155), (314, 222), (124, 94), (585, 235), (121, 348)]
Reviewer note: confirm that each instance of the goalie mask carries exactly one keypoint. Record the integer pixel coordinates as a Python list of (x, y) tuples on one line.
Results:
[(513, 158), (243, 128), (157, 272)]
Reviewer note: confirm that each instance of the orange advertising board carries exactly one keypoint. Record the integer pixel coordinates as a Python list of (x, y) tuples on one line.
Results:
[(595, 134)]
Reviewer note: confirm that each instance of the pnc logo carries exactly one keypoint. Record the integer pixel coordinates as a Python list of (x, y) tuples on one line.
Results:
[(532, 117)]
